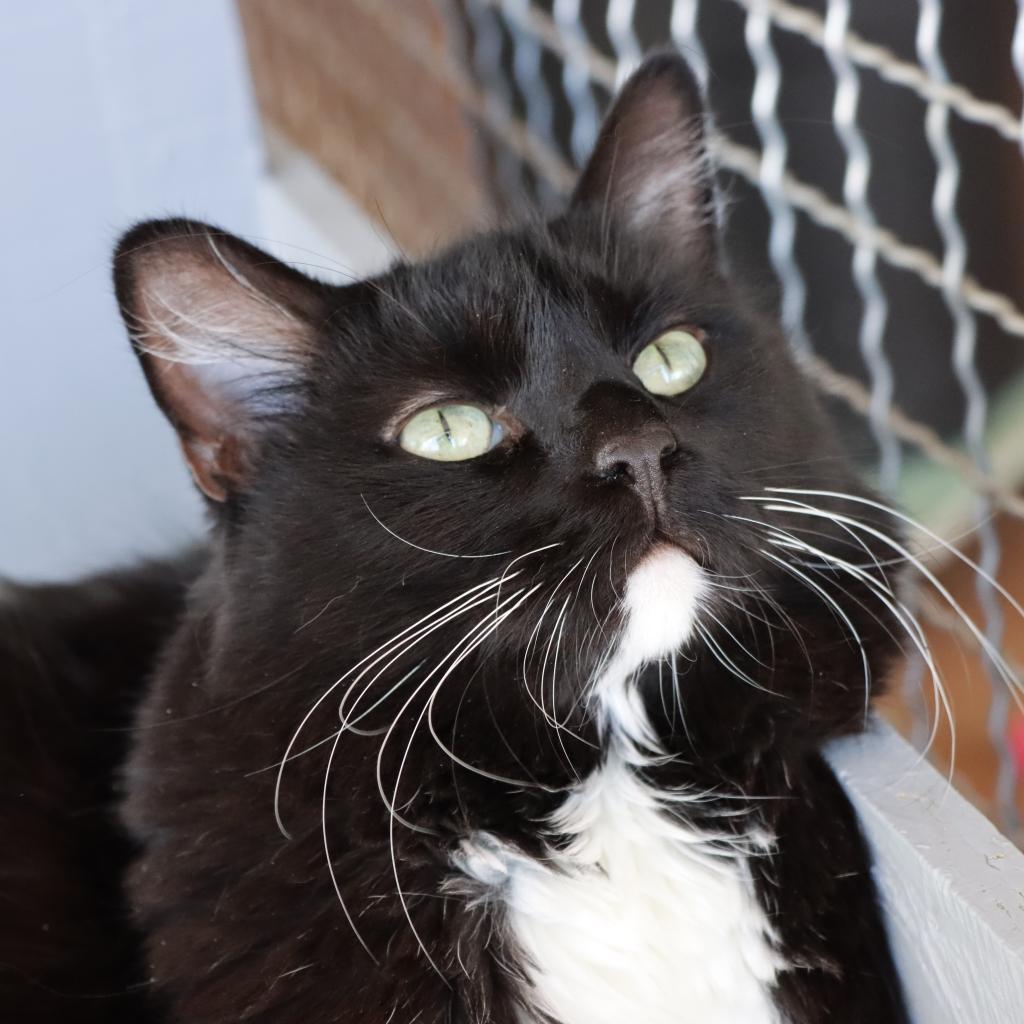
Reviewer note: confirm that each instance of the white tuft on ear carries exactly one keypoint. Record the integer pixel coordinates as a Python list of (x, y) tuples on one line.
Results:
[(650, 167), (668, 182), (224, 333)]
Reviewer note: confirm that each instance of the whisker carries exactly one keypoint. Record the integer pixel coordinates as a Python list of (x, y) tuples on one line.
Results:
[(562, 726), (464, 642), (418, 547), (910, 521), (519, 558), (908, 621), (531, 784), (725, 629), (485, 627), (727, 663), (679, 700), (990, 650), (385, 647), (838, 610), (410, 642), (884, 593), (531, 643), (327, 850), (348, 724)]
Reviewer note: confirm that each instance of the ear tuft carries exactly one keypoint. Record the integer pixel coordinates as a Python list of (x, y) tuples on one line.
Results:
[(650, 167), (224, 333)]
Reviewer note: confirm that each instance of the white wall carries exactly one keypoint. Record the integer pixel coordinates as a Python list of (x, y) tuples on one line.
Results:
[(118, 111), (111, 112)]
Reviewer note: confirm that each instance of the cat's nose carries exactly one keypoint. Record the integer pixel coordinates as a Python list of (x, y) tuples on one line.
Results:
[(637, 459)]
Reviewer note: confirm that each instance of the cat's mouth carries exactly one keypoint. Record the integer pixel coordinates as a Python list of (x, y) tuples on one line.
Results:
[(662, 529)]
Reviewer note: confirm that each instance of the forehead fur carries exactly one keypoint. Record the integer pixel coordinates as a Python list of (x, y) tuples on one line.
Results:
[(544, 286)]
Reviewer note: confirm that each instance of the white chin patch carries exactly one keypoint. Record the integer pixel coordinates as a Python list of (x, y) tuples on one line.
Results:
[(663, 595)]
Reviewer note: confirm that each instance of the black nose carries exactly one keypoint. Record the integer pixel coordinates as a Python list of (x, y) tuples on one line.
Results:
[(637, 459)]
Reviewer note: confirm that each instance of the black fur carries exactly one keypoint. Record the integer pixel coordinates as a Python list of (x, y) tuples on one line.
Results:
[(73, 660), (541, 324)]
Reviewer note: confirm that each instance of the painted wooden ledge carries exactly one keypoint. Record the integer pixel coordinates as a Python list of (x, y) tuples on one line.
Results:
[(953, 886)]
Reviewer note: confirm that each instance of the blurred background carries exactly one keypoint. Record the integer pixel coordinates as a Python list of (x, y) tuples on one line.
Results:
[(870, 156)]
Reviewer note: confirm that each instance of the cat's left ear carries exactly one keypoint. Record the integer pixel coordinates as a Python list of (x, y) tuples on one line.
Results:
[(650, 169), (225, 334)]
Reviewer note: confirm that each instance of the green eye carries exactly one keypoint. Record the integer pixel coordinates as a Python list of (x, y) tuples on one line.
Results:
[(672, 363), (450, 433)]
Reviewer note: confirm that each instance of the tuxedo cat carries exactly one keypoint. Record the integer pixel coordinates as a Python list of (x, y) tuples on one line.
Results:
[(536, 581)]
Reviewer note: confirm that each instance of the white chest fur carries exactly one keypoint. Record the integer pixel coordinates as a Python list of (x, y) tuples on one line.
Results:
[(637, 919)]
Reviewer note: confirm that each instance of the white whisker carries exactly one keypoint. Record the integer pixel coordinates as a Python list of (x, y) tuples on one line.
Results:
[(903, 517), (884, 593), (837, 608), (727, 663), (735, 639), (484, 628), (410, 642), (519, 558), (437, 689), (385, 647), (327, 850), (994, 655), (418, 547), (466, 642)]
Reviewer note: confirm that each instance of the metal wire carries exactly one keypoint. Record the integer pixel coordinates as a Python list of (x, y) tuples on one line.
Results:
[(1017, 54), (549, 164), (888, 66), (527, 68), (686, 36), (965, 333), (865, 258), (546, 162), (1000, 711), (764, 105), (628, 51), (575, 76), (487, 50)]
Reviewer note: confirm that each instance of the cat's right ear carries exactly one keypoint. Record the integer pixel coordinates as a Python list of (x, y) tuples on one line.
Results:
[(649, 169), (225, 334)]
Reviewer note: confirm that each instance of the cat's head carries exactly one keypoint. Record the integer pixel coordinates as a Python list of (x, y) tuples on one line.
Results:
[(549, 448)]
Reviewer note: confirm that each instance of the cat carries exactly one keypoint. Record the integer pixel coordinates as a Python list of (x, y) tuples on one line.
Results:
[(537, 579)]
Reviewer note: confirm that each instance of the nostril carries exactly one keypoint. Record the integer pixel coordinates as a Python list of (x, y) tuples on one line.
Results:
[(613, 463), (620, 470), (627, 459)]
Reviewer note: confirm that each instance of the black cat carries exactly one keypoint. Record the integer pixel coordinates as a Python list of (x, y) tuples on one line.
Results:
[(537, 581)]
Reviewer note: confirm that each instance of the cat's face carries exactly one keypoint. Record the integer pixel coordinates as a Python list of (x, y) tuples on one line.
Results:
[(514, 426)]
